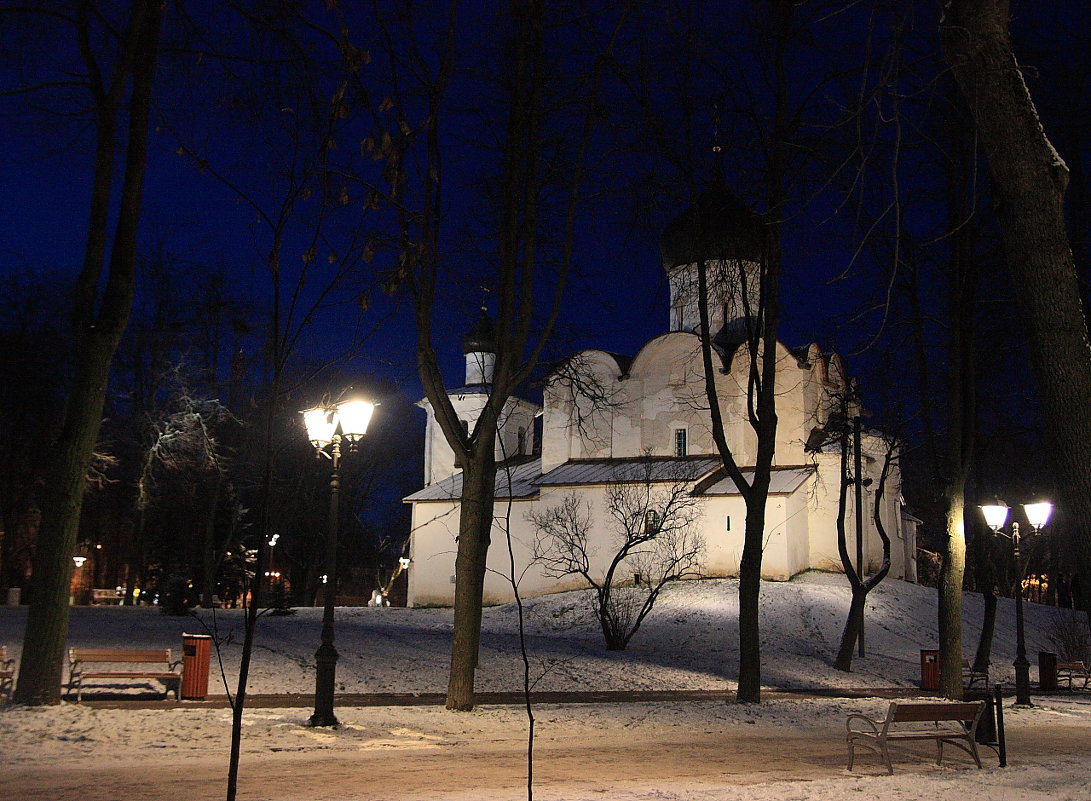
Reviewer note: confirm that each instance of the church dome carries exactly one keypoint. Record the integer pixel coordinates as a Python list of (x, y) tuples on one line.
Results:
[(481, 338), (719, 226)]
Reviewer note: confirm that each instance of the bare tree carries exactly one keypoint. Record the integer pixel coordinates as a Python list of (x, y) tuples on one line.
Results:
[(852, 477), (1029, 182), (654, 539), (119, 85), (534, 239)]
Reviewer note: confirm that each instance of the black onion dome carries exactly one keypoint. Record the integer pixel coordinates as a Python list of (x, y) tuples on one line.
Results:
[(719, 226), (482, 337)]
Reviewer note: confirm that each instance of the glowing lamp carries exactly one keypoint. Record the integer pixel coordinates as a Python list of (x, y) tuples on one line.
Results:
[(996, 515), (354, 416), (1038, 513), (321, 424)]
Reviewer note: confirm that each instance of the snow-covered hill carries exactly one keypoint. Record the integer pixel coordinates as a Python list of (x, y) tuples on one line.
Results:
[(690, 640)]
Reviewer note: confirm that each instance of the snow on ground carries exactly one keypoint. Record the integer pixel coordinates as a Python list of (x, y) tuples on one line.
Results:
[(689, 642)]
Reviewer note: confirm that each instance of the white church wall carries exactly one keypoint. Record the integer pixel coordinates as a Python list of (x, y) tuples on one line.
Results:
[(797, 524), (432, 549), (723, 526), (439, 457), (576, 425), (822, 514)]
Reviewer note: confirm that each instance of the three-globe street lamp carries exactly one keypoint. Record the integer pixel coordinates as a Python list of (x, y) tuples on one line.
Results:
[(327, 427), (996, 515)]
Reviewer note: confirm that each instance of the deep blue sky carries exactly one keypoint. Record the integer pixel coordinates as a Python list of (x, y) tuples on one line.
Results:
[(618, 299)]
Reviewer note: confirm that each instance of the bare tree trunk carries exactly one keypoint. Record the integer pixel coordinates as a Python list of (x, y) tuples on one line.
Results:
[(97, 335), (854, 624), (1029, 182), (474, 535), (985, 578), (950, 595)]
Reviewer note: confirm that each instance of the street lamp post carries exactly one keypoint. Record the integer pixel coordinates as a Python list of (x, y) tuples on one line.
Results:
[(327, 427), (996, 515)]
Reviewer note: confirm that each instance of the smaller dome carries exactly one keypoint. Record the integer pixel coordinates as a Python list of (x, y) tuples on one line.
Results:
[(719, 226), (481, 338)]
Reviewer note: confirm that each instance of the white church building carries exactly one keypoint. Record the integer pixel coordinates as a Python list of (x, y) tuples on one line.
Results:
[(652, 408)]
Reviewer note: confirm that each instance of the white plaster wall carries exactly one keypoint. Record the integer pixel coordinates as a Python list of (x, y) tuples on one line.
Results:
[(439, 458), (435, 527), (725, 302)]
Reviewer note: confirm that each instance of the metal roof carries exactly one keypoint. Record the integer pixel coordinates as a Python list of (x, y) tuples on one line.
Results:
[(516, 483), (612, 471), (524, 479), (783, 481)]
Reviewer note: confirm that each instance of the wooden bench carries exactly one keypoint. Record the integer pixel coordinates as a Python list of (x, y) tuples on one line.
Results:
[(7, 673), (943, 722), (971, 676), (80, 658), (105, 596), (1070, 672)]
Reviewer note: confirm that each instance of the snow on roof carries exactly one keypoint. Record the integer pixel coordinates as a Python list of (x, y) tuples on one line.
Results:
[(513, 483), (783, 481)]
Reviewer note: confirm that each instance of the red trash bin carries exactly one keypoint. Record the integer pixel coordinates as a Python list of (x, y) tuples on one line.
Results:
[(196, 654), (929, 670)]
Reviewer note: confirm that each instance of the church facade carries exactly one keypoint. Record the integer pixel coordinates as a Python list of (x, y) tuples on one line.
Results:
[(607, 420)]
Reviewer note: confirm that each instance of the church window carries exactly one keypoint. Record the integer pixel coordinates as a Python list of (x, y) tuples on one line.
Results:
[(651, 521), (680, 443), (521, 443)]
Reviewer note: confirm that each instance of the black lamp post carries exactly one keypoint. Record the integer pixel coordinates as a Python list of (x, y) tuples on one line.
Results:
[(996, 515), (327, 427)]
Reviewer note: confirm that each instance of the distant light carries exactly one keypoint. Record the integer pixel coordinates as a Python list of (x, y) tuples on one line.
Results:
[(79, 560), (404, 562), (323, 578)]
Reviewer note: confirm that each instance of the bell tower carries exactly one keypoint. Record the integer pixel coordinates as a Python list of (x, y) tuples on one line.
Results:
[(515, 435), (722, 233)]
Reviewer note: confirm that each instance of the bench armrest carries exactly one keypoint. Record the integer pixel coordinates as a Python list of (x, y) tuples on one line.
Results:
[(872, 725)]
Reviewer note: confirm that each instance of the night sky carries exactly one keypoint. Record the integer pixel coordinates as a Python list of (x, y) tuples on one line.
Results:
[(618, 299)]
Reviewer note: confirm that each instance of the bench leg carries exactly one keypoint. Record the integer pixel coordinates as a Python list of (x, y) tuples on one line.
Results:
[(886, 757)]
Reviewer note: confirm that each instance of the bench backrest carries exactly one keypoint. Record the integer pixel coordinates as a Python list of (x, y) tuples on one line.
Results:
[(119, 655), (919, 713), (1071, 666)]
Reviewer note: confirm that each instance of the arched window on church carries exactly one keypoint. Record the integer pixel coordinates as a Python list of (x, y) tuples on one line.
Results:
[(521, 442)]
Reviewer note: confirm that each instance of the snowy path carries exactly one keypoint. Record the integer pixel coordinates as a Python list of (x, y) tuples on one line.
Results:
[(624, 752)]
